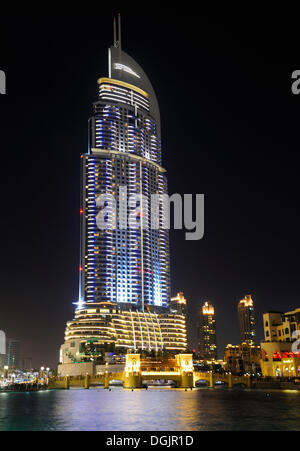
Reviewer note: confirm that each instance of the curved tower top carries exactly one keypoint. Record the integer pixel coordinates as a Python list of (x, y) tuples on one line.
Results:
[(125, 69)]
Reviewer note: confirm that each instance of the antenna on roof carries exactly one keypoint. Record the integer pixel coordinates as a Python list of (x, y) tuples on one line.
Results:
[(117, 39), (115, 33), (119, 30)]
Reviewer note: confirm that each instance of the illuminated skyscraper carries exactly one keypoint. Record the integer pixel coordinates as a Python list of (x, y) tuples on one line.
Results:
[(246, 320), (207, 342), (124, 265), (124, 283)]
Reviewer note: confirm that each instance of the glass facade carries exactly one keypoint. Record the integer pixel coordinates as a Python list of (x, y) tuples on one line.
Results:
[(122, 264)]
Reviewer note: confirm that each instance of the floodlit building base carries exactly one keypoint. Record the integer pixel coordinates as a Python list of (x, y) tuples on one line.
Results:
[(105, 327), (287, 368)]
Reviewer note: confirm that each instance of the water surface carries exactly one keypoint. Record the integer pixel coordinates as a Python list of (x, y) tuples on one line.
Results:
[(151, 410)]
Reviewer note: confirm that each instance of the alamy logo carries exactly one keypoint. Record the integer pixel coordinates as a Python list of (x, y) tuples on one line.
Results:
[(296, 343), (2, 82), (136, 211), (296, 84), (2, 342)]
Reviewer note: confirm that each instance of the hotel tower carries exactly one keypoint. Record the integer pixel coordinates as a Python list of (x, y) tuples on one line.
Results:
[(124, 281), (206, 326), (247, 320)]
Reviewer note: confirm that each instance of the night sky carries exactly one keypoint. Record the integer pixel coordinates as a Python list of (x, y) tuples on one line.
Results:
[(230, 130)]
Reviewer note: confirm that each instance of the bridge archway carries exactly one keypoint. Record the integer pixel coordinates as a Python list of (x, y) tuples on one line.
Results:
[(220, 383), (156, 383), (116, 382), (202, 383)]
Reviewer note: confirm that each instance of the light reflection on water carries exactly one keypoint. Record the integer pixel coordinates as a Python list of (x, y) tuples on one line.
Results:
[(153, 410)]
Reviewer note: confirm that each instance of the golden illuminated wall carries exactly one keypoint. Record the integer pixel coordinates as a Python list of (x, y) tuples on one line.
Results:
[(133, 363), (289, 367), (173, 329), (279, 360), (137, 330), (185, 362)]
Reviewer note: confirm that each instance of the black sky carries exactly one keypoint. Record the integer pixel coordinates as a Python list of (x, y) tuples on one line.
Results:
[(230, 129)]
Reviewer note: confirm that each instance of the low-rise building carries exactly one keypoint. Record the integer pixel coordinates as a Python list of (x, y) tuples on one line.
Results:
[(281, 348), (243, 358)]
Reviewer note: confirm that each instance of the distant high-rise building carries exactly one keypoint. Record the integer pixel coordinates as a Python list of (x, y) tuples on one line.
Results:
[(27, 364), (2, 361), (247, 320), (178, 304), (2, 349), (12, 358), (2, 342), (207, 343), (13, 353)]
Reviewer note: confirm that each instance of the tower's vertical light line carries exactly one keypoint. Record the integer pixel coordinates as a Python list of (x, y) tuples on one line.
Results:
[(149, 339), (119, 38), (156, 347), (82, 219), (109, 63), (141, 328), (132, 322), (142, 233), (161, 338)]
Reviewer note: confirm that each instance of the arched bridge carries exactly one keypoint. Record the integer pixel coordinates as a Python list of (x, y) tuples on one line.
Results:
[(227, 378), (180, 370)]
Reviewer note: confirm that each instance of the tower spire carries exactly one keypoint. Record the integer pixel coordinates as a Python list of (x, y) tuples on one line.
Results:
[(115, 33), (117, 37), (119, 30)]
